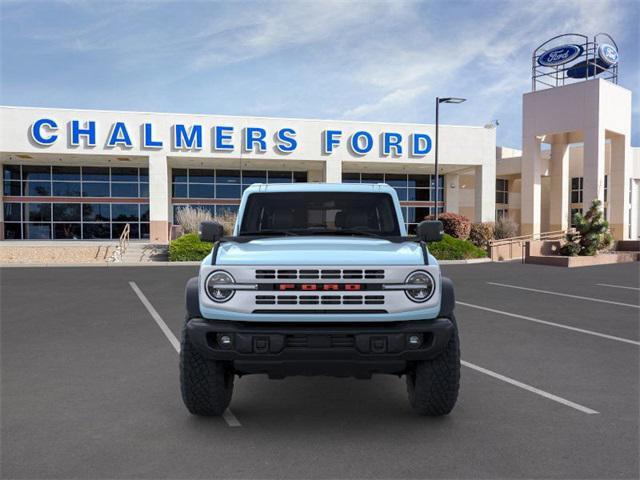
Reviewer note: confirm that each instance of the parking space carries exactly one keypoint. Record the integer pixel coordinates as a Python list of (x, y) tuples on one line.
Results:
[(90, 386)]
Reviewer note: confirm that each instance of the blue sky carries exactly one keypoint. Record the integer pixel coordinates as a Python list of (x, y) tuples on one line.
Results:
[(355, 60)]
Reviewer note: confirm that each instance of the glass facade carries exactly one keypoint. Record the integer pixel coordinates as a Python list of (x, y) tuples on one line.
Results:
[(71, 206), (204, 186), (419, 190)]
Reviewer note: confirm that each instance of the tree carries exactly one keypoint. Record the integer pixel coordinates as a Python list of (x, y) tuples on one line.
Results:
[(591, 233)]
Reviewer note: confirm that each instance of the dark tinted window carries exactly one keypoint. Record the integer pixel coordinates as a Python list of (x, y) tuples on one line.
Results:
[(96, 212), (124, 189), (37, 189), (66, 212), (97, 174), (321, 212), (36, 172), (66, 173), (66, 189), (12, 212), (124, 212), (95, 189), (11, 172), (12, 189), (124, 174)]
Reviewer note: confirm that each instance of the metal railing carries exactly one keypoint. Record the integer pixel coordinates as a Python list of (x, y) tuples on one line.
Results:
[(123, 244), (514, 247)]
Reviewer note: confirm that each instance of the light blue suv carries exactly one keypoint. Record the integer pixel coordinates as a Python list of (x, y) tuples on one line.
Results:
[(320, 279)]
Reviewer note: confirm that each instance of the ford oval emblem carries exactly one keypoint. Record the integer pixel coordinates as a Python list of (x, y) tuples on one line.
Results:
[(560, 55), (608, 54)]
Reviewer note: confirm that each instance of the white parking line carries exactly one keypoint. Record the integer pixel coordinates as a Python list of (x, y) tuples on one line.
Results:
[(600, 300), (228, 415), (617, 286), (531, 389), (552, 324)]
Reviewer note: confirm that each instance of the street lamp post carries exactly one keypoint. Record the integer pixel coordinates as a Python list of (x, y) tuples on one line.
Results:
[(438, 102)]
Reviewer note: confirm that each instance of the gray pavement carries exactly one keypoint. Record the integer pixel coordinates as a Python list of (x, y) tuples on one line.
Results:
[(90, 387)]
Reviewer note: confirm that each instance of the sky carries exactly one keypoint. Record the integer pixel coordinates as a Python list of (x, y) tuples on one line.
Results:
[(382, 61)]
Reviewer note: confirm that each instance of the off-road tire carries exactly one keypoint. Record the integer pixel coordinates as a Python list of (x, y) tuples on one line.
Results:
[(433, 384), (206, 385)]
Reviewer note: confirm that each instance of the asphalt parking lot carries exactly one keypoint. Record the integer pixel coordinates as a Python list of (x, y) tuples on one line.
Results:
[(550, 386)]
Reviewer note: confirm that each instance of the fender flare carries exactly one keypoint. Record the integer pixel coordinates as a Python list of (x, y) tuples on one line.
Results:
[(448, 298), (192, 301)]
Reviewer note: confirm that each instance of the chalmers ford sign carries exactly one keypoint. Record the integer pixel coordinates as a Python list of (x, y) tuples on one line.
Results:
[(196, 137)]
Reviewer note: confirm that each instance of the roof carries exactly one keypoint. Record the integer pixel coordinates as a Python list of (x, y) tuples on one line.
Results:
[(320, 187)]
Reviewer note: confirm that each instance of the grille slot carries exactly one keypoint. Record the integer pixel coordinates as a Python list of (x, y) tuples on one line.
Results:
[(320, 341), (319, 274)]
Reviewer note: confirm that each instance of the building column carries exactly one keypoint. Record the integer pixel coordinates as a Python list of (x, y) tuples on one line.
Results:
[(159, 199), (451, 192), (618, 188), (531, 186), (485, 192), (559, 196), (593, 167), (333, 170)]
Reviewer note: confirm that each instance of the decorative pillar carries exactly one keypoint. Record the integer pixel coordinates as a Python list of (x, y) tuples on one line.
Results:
[(531, 186), (451, 195), (332, 170), (618, 188), (593, 167), (559, 195), (485, 192), (159, 198)]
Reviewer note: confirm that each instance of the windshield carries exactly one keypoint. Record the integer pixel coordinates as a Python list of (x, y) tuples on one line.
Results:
[(317, 213)]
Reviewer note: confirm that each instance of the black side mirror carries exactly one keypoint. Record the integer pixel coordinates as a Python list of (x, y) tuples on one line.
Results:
[(211, 232), (430, 231)]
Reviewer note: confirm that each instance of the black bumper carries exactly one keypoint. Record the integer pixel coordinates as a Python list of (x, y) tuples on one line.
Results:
[(354, 350)]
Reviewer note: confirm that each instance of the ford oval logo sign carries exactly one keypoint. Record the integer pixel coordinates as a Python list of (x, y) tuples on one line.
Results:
[(608, 54), (560, 55)]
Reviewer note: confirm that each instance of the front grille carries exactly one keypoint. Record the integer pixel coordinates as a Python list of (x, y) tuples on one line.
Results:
[(319, 274), (319, 299)]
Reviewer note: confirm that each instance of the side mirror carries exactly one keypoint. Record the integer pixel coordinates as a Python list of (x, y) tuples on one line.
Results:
[(211, 232), (430, 231)]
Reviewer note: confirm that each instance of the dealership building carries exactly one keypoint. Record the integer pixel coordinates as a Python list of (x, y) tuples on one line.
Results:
[(85, 174)]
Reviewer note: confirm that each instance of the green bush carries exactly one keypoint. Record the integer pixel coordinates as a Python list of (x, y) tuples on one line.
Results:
[(188, 248), (591, 234), (450, 248)]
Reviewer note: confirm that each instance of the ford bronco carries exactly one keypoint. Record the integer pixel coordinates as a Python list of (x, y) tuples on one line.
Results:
[(320, 279)]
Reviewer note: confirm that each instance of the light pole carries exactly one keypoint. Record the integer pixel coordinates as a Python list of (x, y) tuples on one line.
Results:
[(438, 102)]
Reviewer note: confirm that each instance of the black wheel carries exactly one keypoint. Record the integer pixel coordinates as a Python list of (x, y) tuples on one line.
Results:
[(433, 384), (206, 385)]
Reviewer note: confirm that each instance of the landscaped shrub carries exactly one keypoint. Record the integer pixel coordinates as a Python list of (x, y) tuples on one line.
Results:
[(450, 248), (457, 226), (189, 247), (481, 234), (190, 218), (591, 235), (505, 228)]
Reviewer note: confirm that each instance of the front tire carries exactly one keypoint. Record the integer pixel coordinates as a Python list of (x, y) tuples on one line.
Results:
[(433, 385), (206, 385)]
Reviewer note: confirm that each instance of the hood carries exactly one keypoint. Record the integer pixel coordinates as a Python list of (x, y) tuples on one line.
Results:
[(320, 251)]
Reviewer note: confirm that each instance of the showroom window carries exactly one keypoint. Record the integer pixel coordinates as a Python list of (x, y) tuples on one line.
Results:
[(576, 190), (201, 185), (502, 190), (63, 212), (409, 188)]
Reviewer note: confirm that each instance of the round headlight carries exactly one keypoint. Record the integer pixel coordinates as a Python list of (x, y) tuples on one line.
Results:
[(425, 286), (218, 294)]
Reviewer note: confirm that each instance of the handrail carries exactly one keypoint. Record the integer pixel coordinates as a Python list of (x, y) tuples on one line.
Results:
[(123, 244), (531, 237)]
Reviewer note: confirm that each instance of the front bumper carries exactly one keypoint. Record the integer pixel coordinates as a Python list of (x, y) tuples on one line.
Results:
[(354, 350)]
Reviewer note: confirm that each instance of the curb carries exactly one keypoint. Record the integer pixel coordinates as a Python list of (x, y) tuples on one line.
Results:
[(98, 265), (470, 261), (178, 264)]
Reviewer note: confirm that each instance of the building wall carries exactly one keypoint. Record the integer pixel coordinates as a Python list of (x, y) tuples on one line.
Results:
[(152, 141)]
